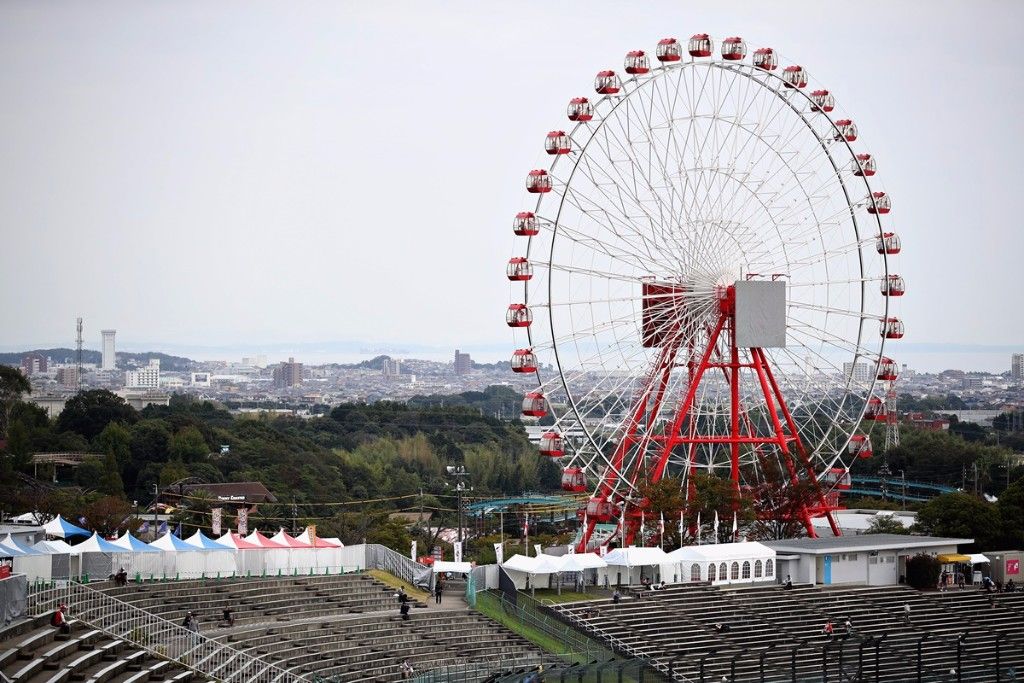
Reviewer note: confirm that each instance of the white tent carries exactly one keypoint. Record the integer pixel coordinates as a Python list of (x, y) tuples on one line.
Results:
[(302, 556), (978, 558), (146, 561), (248, 557), (723, 563), (32, 563), (440, 567), (579, 562), (635, 558)]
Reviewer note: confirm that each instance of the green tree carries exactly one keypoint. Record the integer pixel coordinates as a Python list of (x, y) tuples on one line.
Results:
[(171, 472), (114, 440), (960, 515), (109, 514), (110, 482), (717, 494), (923, 572), (150, 441), (1011, 515), (188, 445), (89, 412), (886, 524), (13, 385), (89, 473)]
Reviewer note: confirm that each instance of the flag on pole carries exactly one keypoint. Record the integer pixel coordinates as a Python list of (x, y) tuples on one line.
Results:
[(716, 526), (680, 527), (641, 528), (661, 525), (734, 527), (698, 527)]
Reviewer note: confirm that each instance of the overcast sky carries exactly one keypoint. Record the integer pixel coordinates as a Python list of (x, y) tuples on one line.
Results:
[(247, 173)]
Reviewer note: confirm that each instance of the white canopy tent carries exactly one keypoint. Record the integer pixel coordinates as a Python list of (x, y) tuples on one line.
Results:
[(631, 558), (441, 567), (193, 562), (146, 561), (32, 563), (725, 563)]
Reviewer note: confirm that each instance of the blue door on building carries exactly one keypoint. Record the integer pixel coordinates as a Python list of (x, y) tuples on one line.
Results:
[(827, 579)]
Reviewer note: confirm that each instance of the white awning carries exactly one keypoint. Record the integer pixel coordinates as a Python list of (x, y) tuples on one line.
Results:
[(978, 558), (577, 562), (637, 557), (454, 567)]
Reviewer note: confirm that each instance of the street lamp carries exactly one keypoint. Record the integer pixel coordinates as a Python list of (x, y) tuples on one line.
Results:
[(459, 472)]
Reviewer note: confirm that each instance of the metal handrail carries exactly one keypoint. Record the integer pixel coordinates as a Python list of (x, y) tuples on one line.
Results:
[(157, 635)]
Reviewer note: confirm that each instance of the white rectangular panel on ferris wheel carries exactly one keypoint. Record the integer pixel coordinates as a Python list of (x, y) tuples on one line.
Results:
[(761, 314)]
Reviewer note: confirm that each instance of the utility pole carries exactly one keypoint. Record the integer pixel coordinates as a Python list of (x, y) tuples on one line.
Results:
[(295, 513), (78, 358), (156, 499)]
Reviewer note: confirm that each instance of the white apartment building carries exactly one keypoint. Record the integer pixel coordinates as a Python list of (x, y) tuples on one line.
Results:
[(861, 372), (1017, 367), (144, 378), (108, 350)]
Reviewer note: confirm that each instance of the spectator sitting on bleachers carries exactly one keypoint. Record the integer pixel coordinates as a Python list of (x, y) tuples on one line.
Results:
[(722, 628), (407, 670), (228, 616), (660, 586), (60, 620), (848, 628), (616, 596), (1010, 586), (121, 577), (827, 630), (788, 583)]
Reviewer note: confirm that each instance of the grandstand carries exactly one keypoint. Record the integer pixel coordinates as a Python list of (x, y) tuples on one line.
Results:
[(341, 628), (776, 635)]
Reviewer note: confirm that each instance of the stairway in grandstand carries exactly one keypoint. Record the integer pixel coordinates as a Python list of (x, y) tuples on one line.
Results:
[(32, 651), (332, 628), (780, 631)]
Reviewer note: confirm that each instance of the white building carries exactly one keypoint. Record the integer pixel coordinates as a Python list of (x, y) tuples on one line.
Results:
[(109, 355), (861, 372), (868, 559), (201, 379), (1017, 367), (144, 378)]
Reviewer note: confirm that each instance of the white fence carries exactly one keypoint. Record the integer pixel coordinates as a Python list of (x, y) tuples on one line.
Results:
[(159, 636)]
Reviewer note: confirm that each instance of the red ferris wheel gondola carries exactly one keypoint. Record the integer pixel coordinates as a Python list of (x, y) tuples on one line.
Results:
[(538, 181), (875, 409), (534, 405), (519, 269), (557, 142), (822, 100), (637, 62), (879, 202), (524, 360), (574, 480), (525, 224), (607, 83), (860, 446), (518, 315), (888, 371), (668, 50), (846, 130), (892, 328), (700, 45), (765, 59), (794, 76), (863, 165), (893, 285), (580, 109), (734, 49), (552, 445), (888, 243)]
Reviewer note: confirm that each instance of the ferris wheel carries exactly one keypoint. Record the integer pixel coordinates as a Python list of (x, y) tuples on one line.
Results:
[(704, 282)]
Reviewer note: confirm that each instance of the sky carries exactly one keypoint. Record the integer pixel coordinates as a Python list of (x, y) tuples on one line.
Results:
[(262, 174)]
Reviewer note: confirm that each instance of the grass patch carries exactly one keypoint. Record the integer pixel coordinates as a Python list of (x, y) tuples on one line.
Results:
[(490, 606), (396, 583), (550, 595)]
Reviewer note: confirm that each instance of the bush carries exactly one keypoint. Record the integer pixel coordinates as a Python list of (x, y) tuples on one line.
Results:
[(923, 572)]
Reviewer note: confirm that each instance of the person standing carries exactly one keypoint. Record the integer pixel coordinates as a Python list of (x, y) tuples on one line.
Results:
[(438, 591), (906, 613)]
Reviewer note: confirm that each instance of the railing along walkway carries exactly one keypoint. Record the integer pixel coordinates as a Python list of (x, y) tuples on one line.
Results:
[(158, 636)]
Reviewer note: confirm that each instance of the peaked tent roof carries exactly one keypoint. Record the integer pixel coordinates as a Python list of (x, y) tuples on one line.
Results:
[(129, 542), (579, 561), (53, 547), (637, 557), (171, 543), (320, 541), (718, 552), (281, 538), (258, 539), (12, 542), (232, 540), (9, 547), (60, 527), (201, 540), (95, 544)]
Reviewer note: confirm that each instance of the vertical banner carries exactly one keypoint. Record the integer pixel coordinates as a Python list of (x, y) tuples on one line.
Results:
[(312, 534), (215, 520), (499, 553), (536, 549), (412, 551), (458, 551), (602, 550), (570, 549), (243, 521)]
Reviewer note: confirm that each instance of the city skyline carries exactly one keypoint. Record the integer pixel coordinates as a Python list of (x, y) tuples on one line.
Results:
[(180, 173)]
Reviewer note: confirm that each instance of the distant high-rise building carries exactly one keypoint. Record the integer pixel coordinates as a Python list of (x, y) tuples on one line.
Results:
[(1017, 367), (33, 364), (463, 363), (861, 372), (67, 377), (288, 374), (392, 367), (144, 378), (108, 349)]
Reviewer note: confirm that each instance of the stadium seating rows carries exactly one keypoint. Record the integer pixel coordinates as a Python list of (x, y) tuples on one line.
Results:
[(32, 651), (343, 628), (780, 630)]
